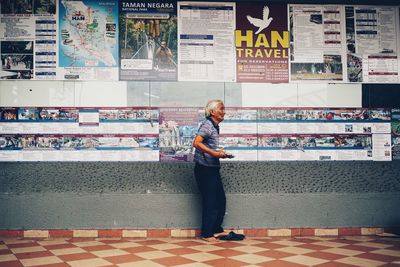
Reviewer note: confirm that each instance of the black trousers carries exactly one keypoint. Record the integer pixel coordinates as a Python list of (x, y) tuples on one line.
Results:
[(213, 199)]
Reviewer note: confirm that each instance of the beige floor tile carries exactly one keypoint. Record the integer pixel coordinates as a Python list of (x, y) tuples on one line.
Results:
[(322, 238), (360, 262), (249, 249), (145, 263), (251, 258), (52, 242), (107, 238), (249, 242), (194, 264), (89, 263), (3, 247), (40, 261), (164, 246), (66, 251), (206, 248), (388, 252), (330, 244), (125, 245), (16, 241), (27, 249), (287, 243), (306, 260), (201, 256), (109, 253), (7, 257), (150, 255), (295, 250), (343, 251), (88, 244)]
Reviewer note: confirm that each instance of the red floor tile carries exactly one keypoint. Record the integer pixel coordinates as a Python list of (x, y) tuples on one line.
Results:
[(225, 262), (150, 242), (274, 254), (189, 243), (123, 259), (269, 245), (22, 245), (77, 256), (226, 253), (228, 244), (30, 255), (359, 248), (333, 264), (11, 264), (59, 246), (138, 249), (378, 257), (5, 252), (311, 246)]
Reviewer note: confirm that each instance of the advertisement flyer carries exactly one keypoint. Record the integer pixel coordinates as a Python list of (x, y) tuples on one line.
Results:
[(206, 41), (372, 44), (317, 42), (239, 121), (88, 40), (262, 42), (28, 37), (242, 146), (178, 127), (148, 40), (79, 147), (395, 134), (130, 120), (79, 134), (314, 147)]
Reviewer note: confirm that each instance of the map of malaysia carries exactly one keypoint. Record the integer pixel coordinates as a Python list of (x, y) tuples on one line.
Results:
[(88, 34)]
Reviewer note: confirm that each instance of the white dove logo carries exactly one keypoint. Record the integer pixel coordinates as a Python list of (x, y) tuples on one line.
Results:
[(261, 23)]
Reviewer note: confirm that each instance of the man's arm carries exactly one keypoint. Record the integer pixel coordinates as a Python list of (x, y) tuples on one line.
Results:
[(198, 143)]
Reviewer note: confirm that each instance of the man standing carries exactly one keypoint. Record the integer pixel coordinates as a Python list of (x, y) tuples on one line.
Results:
[(207, 173)]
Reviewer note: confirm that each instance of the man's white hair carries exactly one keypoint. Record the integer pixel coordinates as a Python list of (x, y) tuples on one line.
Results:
[(211, 106)]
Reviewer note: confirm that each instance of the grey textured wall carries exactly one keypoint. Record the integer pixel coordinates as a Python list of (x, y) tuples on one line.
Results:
[(44, 195)]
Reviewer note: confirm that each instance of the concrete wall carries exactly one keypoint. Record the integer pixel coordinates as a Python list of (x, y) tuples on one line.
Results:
[(164, 195)]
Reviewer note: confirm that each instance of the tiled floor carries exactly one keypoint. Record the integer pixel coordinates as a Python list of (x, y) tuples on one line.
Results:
[(302, 251)]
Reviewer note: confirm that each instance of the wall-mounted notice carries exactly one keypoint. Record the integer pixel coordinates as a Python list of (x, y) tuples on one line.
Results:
[(314, 147), (239, 133), (317, 42), (262, 42), (206, 41), (323, 134), (178, 127), (372, 44), (396, 134), (79, 134), (88, 40), (28, 39), (148, 45)]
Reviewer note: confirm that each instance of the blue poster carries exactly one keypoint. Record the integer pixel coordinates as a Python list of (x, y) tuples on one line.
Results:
[(88, 33)]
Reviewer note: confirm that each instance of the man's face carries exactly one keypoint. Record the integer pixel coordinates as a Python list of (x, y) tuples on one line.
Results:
[(219, 113)]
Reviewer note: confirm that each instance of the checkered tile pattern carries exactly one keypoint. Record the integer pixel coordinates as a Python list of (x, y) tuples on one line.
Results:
[(148, 252)]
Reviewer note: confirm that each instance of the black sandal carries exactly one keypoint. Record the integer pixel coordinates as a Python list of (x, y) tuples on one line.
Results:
[(232, 236)]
